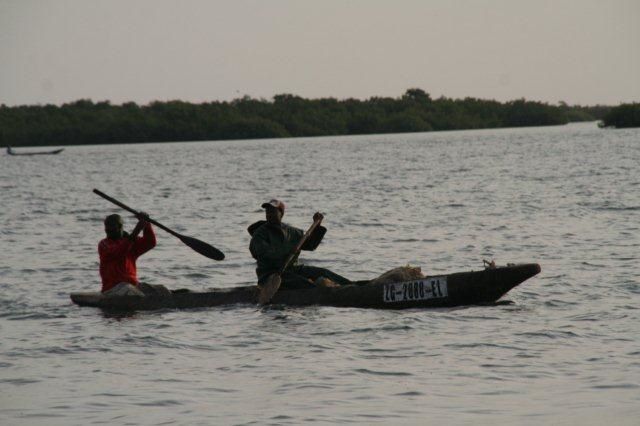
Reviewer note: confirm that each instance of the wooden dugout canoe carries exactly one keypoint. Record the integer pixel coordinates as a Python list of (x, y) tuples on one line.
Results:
[(54, 152), (462, 288)]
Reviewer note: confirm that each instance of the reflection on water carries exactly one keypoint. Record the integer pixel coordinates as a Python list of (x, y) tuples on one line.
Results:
[(561, 348)]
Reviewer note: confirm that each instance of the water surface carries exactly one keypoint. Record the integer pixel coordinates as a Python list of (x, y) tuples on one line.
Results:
[(565, 351)]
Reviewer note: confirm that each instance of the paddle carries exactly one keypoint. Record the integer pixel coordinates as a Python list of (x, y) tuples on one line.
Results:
[(197, 245), (272, 284)]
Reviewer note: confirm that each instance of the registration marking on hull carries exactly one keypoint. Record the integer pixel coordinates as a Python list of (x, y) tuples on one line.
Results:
[(424, 289)]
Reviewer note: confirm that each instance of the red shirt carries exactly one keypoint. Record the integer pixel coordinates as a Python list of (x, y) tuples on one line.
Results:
[(118, 258)]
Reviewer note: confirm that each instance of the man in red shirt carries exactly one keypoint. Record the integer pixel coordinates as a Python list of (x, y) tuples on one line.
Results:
[(119, 251)]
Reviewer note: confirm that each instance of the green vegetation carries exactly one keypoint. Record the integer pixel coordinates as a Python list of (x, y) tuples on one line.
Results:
[(625, 115), (584, 113), (86, 122)]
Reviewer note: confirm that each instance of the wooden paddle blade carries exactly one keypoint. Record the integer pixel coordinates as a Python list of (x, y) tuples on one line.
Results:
[(269, 289), (202, 247)]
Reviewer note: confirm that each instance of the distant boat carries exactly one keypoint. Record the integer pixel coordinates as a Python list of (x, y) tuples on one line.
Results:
[(10, 151)]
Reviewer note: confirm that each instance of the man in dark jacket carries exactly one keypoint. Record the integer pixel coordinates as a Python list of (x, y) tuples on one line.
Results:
[(273, 241)]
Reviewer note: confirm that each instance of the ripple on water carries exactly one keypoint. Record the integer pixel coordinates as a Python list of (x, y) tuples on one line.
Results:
[(482, 345), (410, 393), (160, 403), (617, 386), (367, 371), (19, 381), (13, 316), (548, 334)]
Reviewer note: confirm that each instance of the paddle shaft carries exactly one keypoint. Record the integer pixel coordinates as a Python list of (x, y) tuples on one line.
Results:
[(124, 206), (298, 247), (195, 244)]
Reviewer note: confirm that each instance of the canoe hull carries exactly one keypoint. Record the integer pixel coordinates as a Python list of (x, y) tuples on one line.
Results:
[(462, 288)]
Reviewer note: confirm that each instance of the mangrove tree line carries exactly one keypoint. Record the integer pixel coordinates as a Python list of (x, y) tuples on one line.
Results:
[(625, 115), (88, 122)]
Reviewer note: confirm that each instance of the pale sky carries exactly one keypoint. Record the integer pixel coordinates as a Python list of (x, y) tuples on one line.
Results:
[(579, 51)]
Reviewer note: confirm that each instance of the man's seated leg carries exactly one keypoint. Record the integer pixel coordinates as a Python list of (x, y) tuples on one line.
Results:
[(123, 289), (314, 273), (294, 281)]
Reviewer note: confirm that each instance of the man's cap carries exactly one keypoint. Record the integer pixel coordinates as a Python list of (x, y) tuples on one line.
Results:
[(276, 204)]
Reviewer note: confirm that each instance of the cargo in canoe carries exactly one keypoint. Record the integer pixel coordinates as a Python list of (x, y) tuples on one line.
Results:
[(462, 288)]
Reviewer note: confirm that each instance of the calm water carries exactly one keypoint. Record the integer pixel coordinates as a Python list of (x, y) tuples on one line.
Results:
[(566, 351)]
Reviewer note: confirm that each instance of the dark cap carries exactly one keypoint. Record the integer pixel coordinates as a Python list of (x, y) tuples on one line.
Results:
[(275, 204)]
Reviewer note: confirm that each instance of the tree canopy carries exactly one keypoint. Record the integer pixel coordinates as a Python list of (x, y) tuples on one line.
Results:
[(625, 115), (286, 115)]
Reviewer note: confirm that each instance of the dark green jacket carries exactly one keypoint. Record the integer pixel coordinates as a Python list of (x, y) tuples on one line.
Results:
[(271, 245)]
